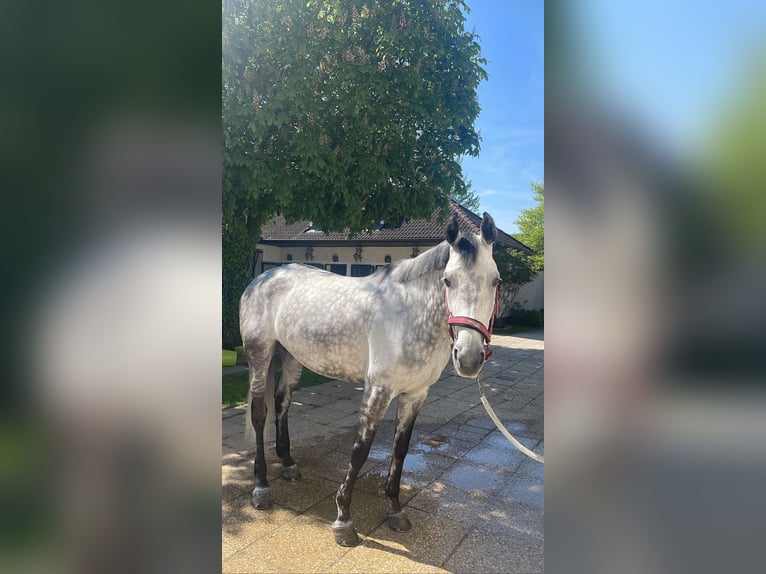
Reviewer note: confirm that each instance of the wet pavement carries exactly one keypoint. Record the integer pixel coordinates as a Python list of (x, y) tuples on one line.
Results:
[(475, 502)]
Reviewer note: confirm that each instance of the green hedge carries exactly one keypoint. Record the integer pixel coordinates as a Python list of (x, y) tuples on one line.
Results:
[(238, 250), (524, 317)]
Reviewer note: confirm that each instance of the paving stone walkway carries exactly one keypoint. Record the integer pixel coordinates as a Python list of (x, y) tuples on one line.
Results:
[(475, 502)]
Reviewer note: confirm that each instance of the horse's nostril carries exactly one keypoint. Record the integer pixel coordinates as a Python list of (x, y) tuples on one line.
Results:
[(482, 356), (454, 352)]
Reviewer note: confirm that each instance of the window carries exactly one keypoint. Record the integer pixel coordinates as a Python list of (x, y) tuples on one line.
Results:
[(339, 268), (265, 266), (362, 270)]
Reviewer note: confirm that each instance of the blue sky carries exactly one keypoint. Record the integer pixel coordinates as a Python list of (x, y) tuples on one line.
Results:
[(512, 101), (671, 65)]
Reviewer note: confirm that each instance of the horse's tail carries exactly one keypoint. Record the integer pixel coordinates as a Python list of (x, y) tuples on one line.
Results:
[(269, 401)]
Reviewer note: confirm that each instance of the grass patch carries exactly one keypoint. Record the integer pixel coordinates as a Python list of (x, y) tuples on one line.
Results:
[(234, 390), (514, 329), (234, 387)]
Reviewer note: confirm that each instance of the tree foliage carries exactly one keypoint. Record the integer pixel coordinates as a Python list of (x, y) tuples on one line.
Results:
[(531, 223), (346, 112), (238, 246), (733, 156), (342, 112), (466, 197), (516, 269)]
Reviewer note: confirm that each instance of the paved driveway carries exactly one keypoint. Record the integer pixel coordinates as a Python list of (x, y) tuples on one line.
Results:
[(475, 502)]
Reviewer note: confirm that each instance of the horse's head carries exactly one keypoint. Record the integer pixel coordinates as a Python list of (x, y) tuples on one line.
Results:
[(470, 281)]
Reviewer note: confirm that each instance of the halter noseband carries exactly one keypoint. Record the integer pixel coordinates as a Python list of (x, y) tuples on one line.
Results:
[(472, 323)]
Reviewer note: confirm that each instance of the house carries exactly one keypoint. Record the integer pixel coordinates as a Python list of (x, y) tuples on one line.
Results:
[(302, 242)]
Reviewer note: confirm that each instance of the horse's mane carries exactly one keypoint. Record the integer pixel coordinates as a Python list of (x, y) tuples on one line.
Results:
[(408, 269)]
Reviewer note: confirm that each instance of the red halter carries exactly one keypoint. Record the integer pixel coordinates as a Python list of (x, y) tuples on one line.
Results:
[(472, 324)]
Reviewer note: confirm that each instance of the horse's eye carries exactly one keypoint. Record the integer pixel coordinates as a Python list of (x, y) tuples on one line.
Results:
[(447, 282), (496, 281)]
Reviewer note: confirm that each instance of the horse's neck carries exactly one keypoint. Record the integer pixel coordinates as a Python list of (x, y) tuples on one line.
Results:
[(429, 291), (422, 279)]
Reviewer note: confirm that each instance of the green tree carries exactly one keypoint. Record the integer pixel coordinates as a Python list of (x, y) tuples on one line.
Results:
[(342, 112), (734, 169), (466, 197), (516, 269), (531, 223)]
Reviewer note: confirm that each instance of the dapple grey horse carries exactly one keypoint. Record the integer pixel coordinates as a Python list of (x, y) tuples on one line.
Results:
[(390, 331)]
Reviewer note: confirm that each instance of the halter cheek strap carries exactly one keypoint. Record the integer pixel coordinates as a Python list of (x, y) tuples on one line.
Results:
[(471, 323)]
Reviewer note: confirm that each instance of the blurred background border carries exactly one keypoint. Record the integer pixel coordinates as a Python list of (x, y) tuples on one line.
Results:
[(655, 279)]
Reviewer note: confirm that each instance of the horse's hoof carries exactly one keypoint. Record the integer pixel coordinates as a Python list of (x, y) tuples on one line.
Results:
[(345, 533), (261, 497), (398, 521), (291, 472)]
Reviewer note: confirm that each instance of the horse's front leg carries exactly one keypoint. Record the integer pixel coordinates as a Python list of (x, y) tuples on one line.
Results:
[(374, 405), (409, 406)]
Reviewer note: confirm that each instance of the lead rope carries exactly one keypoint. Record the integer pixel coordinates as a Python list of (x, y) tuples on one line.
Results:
[(502, 429)]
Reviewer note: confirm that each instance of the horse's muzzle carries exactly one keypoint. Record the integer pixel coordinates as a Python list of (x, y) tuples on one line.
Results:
[(467, 360)]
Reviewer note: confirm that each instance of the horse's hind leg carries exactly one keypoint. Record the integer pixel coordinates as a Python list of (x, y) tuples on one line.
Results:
[(261, 377), (374, 405), (291, 372), (409, 406)]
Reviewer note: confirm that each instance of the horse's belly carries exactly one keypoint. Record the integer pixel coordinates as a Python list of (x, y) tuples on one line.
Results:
[(332, 367), (325, 328), (336, 354)]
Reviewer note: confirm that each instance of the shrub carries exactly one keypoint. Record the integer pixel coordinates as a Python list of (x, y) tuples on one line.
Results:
[(530, 318)]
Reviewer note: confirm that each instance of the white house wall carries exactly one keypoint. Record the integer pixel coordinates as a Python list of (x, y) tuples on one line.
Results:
[(268, 253), (531, 295), (371, 255)]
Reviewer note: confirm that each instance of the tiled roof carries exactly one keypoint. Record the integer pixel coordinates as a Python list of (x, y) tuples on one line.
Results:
[(410, 230), (469, 221)]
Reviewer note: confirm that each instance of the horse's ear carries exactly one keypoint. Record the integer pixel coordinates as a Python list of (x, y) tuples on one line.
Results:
[(452, 230), (488, 229)]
